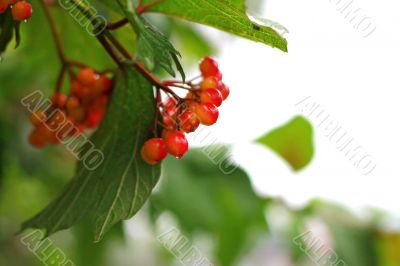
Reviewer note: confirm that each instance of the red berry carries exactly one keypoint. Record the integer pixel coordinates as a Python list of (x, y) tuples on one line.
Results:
[(209, 83), (94, 117), (38, 118), (146, 158), (77, 114), (22, 11), (36, 139), (59, 100), (154, 150), (188, 121), (165, 133), (207, 113), (225, 91), (72, 103), (87, 76), (171, 106), (177, 144), (168, 122), (3, 6), (103, 84), (79, 90), (10, 2), (213, 96), (209, 68), (46, 134)]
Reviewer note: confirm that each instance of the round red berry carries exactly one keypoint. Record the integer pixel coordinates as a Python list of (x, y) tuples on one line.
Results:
[(22, 11), (189, 121), (225, 91), (213, 96), (87, 76), (38, 118), (94, 117), (79, 90), (3, 6), (103, 85), (177, 144), (171, 106), (36, 139), (59, 99), (207, 113), (209, 68), (154, 150), (72, 103)]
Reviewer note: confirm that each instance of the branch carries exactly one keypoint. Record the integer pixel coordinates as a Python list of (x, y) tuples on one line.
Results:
[(56, 35)]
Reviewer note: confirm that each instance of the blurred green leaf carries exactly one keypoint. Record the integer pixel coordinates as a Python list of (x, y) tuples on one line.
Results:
[(292, 141), (119, 187), (355, 246), (223, 15), (203, 198)]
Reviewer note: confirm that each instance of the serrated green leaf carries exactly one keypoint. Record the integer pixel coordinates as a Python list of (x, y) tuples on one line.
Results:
[(153, 48), (293, 142), (119, 187), (224, 15)]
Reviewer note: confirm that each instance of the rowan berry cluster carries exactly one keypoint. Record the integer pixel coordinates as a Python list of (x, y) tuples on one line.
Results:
[(68, 116), (20, 10), (184, 115)]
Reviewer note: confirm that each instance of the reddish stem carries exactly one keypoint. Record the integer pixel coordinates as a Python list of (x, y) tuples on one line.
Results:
[(144, 8), (118, 24)]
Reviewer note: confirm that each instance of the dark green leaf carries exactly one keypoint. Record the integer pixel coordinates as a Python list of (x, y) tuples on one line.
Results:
[(224, 15), (293, 142), (203, 198), (153, 48), (119, 187), (7, 26)]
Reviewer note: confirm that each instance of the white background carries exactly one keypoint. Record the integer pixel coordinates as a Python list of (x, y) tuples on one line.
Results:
[(355, 79)]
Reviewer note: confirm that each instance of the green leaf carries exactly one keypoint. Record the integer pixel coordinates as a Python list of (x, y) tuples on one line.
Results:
[(119, 187), (221, 14), (7, 28), (292, 141), (354, 245), (153, 48), (203, 198)]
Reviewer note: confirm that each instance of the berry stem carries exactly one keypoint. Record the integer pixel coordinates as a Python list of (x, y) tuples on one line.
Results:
[(118, 45), (153, 79), (60, 79), (157, 103), (144, 8), (118, 24), (56, 35), (109, 49)]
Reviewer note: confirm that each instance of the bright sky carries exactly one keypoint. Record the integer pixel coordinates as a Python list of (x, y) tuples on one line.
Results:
[(354, 78)]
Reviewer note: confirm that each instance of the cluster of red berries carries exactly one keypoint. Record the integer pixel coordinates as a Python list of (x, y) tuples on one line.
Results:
[(20, 10), (70, 115), (184, 115)]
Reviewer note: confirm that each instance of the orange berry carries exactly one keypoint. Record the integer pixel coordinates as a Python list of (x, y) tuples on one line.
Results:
[(209, 83), (38, 118), (59, 100), (87, 76)]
